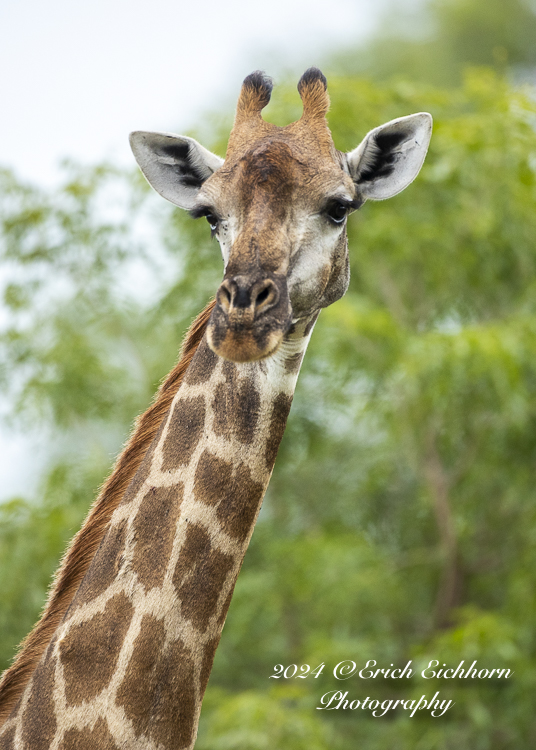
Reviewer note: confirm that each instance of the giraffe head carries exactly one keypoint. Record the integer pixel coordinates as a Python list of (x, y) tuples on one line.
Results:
[(278, 205)]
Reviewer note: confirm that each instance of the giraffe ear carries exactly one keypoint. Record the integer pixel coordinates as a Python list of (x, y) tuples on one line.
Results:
[(176, 166), (391, 156)]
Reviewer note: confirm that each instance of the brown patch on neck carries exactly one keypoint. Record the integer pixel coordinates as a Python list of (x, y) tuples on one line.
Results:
[(161, 704), (78, 557), (85, 739)]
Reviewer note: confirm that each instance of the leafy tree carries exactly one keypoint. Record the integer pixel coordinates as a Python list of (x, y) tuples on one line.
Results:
[(400, 514), (92, 330), (435, 40)]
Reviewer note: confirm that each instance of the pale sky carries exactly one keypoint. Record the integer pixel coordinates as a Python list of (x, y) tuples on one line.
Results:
[(77, 77)]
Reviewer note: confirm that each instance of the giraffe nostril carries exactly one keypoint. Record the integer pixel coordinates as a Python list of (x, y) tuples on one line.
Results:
[(266, 296), (239, 295), (262, 296), (224, 296)]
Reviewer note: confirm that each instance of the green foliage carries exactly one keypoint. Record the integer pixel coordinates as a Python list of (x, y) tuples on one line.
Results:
[(281, 717), (94, 326), (31, 539), (400, 515), (435, 40), (400, 522)]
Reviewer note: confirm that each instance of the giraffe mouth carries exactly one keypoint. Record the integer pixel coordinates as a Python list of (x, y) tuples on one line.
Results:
[(250, 319), (244, 346)]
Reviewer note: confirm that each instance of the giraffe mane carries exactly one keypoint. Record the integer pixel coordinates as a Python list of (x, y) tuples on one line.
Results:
[(83, 547)]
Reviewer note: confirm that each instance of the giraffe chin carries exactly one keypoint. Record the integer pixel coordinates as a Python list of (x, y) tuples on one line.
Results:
[(243, 346)]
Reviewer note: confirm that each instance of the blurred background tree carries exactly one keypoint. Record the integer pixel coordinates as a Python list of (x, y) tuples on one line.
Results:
[(435, 40), (400, 520)]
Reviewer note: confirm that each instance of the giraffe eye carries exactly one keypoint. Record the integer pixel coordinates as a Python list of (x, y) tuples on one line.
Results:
[(337, 212), (212, 221)]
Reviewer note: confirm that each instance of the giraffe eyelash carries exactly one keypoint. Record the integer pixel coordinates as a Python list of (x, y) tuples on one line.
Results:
[(209, 214)]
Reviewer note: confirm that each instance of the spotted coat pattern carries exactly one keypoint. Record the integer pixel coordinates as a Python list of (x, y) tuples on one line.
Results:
[(130, 662)]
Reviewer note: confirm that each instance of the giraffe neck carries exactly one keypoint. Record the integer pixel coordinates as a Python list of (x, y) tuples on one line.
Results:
[(130, 662)]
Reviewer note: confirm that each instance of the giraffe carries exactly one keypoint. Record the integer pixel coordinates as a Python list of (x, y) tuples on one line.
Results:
[(123, 653)]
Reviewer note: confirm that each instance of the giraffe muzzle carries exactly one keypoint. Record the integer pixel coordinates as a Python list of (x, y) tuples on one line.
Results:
[(250, 318)]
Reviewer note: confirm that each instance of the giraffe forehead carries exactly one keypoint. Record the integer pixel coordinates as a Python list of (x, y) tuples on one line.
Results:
[(270, 167), (277, 170)]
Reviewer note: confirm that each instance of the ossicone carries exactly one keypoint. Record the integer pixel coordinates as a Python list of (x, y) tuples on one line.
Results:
[(313, 90), (255, 95)]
